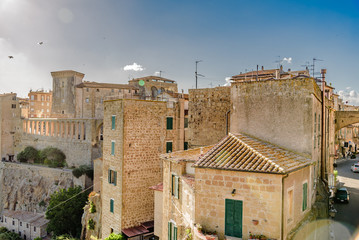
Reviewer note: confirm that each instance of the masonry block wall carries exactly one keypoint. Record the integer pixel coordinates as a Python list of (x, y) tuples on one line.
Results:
[(259, 107), (139, 138), (208, 110), (260, 193)]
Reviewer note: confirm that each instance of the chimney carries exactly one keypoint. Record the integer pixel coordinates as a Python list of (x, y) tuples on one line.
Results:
[(289, 69), (281, 68), (262, 68), (323, 72)]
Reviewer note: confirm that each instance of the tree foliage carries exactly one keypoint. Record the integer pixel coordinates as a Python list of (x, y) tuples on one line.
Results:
[(28, 154), (83, 169), (65, 211), (5, 234), (114, 236), (53, 157)]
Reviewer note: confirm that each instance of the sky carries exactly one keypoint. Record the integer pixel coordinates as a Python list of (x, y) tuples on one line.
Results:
[(113, 41)]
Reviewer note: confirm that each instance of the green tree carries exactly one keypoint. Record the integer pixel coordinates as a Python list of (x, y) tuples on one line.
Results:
[(65, 211), (28, 154), (114, 236), (53, 157), (10, 236)]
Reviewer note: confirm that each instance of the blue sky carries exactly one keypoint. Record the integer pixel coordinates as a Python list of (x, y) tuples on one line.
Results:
[(99, 38)]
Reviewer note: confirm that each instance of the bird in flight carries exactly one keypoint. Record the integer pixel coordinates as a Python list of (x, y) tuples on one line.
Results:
[(40, 43), (11, 57)]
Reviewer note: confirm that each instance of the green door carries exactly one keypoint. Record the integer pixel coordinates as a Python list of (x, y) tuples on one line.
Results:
[(233, 218)]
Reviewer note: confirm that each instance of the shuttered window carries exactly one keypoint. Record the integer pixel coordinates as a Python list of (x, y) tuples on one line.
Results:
[(185, 147), (168, 147), (169, 123), (111, 205), (305, 196), (172, 231), (113, 120), (112, 177), (175, 187), (113, 148), (233, 218)]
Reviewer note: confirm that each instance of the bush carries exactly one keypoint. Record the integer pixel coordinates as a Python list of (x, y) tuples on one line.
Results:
[(353, 156), (64, 237), (53, 157), (10, 236), (38, 238), (92, 207), (114, 236), (3, 229), (83, 169), (91, 224), (28, 154), (77, 172)]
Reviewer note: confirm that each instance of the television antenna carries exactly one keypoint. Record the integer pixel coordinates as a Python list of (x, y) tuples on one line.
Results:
[(196, 73)]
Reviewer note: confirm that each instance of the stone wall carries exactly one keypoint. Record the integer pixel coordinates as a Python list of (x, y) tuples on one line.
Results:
[(139, 138), (208, 110), (260, 107), (260, 193), (25, 186), (89, 234)]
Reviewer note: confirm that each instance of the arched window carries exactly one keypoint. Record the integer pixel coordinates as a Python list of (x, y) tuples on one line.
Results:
[(154, 91)]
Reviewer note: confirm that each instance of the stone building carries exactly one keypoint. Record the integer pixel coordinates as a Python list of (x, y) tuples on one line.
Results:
[(40, 103), (27, 224), (10, 114), (209, 115), (24, 106), (241, 185), (151, 86)]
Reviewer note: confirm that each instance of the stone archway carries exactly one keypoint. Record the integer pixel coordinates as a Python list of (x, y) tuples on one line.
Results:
[(345, 118)]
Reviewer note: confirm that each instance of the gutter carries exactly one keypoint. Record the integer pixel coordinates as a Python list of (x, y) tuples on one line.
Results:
[(282, 210), (227, 122)]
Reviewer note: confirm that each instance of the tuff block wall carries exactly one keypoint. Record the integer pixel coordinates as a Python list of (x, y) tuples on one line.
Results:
[(208, 111), (139, 138)]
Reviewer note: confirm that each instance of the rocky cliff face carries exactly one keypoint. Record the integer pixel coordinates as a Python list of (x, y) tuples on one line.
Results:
[(28, 187), (92, 216)]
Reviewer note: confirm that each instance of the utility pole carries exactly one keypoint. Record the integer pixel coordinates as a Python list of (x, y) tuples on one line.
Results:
[(197, 74)]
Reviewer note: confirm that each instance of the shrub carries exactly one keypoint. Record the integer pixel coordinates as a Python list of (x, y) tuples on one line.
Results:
[(3, 229), (83, 169), (91, 224), (38, 238), (353, 156), (53, 157), (42, 203), (28, 154), (114, 236), (92, 207), (77, 172)]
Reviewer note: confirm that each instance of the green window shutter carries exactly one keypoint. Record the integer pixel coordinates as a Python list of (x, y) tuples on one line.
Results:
[(169, 231), (186, 123), (111, 205), (175, 233), (113, 122), (169, 123), (168, 147), (305, 196), (109, 176), (115, 177), (173, 185), (176, 187), (112, 148)]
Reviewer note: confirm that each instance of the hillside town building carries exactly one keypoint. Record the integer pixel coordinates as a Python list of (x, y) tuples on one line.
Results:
[(40, 103)]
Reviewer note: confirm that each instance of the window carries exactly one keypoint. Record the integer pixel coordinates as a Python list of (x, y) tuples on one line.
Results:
[(14, 98), (5, 219), (13, 222), (34, 229), (175, 188), (87, 100), (42, 104), (113, 148), (172, 231), (186, 123), (47, 104), (97, 90), (233, 218), (42, 98), (305, 196), (32, 104), (112, 177), (113, 119), (13, 105), (185, 146), (20, 224), (27, 225), (129, 91), (87, 89), (169, 123), (111, 205), (112, 90), (168, 147), (290, 205), (63, 84), (32, 97)]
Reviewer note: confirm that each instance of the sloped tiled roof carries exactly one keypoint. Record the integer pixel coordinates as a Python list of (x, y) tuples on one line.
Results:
[(153, 78), (240, 152)]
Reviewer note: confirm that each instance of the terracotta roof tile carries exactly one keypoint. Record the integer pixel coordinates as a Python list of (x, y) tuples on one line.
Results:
[(105, 85), (243, 153), (158, 187)]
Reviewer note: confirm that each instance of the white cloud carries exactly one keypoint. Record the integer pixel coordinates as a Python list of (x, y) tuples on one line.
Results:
[(288, 60), (134, 67), (349, 96)]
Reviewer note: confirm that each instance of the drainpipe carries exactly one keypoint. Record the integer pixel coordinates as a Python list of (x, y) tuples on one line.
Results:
[(323, 72), (227, 121), (282, 220)]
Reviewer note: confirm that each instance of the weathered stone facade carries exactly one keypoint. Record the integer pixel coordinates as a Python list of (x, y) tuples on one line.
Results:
[(209, 117), (138, 139), (9, 124), (152, 86), (24, 186), (40, 104), (92, 212), (64, 93)]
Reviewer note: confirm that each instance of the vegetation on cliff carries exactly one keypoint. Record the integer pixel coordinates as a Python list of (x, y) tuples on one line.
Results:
[(50, 156), (65, 211)]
